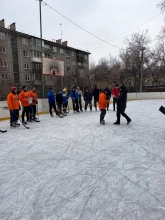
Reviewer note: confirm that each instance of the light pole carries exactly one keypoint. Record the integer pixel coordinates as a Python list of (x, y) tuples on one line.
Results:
[(141, 69), (43, 77)]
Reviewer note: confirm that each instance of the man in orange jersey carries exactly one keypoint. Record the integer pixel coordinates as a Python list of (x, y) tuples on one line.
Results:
[(24, 98), (13, 105), (103, 104), (34, 96)]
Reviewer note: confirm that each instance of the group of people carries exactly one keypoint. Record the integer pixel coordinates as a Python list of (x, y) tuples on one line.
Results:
[(27, 100), (59, 102)]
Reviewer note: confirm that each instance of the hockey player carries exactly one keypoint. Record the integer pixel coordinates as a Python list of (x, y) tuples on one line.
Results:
[(65, 100), (34, 96), (102, 103), (121, 105), (59, 101), (80, 96), (24, 98), (88, 99), (115, 94), (108, 98), (13, 105), (75, 99), (51, 100), (95, 94)]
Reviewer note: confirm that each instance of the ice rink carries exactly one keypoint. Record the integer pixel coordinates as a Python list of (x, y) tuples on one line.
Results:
[(76, 169)]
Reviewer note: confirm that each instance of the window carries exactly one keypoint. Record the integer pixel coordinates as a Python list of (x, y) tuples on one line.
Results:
[(26, 66), (37, 54), (74, 63), (33, 77), (61, 50), (38, 42), (38, 66), (67, 53), (68, 69), (72, 53), (2, 36), (86, 57), (55, 49), (46, 46), (67, 62), (27, 77), (24, 41), (79, 63), (26, 53), (47, 55), (4, 63), (3, 50)]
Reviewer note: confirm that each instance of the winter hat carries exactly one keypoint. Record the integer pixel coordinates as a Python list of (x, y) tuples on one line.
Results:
[(12, 88), (116, 85), (106, 90), (122, 88), (23, 87), (50, 88)]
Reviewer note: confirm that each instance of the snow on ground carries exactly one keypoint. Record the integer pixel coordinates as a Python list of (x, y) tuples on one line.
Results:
[(74, 168)]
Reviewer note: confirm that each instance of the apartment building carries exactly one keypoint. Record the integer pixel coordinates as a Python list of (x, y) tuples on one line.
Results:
[(20, 57)]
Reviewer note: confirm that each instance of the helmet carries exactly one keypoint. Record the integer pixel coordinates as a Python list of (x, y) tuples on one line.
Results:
[(12, 88)]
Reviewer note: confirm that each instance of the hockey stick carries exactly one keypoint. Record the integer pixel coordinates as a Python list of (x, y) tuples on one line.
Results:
[(37, 113), (21, 121), (3, 131)]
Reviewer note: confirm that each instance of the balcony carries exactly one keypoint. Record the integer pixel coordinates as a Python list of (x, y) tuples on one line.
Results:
[(34, 70), (36, 48), (36, 59)]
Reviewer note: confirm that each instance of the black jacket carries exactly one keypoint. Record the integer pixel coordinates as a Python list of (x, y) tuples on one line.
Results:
[(108, 95), (96, 93), (88, 96), (59, 98), (122, 100)]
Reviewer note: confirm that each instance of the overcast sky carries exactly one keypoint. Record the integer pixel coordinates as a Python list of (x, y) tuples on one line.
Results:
[(103, 18)]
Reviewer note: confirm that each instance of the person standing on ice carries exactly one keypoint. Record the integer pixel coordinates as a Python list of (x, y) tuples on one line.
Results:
[(13, 105), (65, 100), (59, 101), (80, 96), (24, 98), (115, 94), (95, 94), (75, 98), (34, 96), (121, 105), (102, 104), (88, 99), (51, 100)]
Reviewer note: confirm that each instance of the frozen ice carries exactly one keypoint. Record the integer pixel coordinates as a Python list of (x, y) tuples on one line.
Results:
[(74, 168)]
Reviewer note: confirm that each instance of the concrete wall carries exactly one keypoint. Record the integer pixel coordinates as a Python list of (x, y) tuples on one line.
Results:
[(43, 106)]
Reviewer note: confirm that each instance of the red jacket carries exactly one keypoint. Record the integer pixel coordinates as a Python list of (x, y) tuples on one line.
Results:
[(34, 96), (115, 92)]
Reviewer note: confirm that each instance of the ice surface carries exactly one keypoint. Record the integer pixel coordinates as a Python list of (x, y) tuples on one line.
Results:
[(74, 168)]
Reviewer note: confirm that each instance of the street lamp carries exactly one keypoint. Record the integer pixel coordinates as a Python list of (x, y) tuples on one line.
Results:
[(141, 68)]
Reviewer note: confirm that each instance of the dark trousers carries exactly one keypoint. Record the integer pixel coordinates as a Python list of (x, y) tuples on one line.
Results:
[(88, 102), (80, 103), (107, 106), (26, 110), (102, 114), (59, 106), (32, 111), (52, 105), (124, 115), (114, 101), (95, 102), (75, 105), (65, 105), (14, 116)]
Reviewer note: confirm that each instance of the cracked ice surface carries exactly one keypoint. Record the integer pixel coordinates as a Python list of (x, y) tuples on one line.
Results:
[(74, 168)]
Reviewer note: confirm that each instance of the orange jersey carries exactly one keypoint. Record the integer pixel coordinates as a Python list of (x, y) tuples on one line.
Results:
[(102, 103), (13, 101), (24, 98), (34, 96)]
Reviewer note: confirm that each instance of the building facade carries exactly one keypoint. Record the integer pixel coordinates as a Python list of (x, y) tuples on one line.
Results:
[(21, 59)]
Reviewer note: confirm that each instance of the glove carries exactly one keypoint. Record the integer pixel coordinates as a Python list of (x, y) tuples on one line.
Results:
[(36, 102), (19, 107)]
